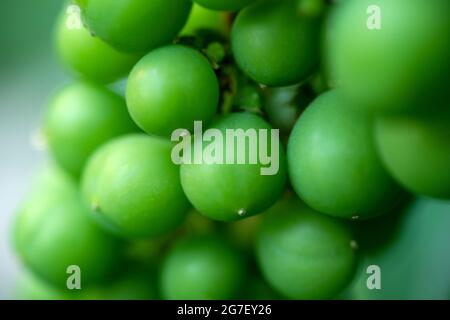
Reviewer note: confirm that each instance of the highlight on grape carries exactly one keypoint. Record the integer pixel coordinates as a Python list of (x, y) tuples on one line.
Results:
[(235, 146)]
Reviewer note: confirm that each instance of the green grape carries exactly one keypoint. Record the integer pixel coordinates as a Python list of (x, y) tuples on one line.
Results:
[(170, 88), (80, 118), (134, 187), (304, 254), (416, 151), (225, 5), (333, 163), (411, 252), (274, 44), (202, 268), (399, 67), (240, 189), (204, 19), (88, 56), (53, 231), (135, 25)]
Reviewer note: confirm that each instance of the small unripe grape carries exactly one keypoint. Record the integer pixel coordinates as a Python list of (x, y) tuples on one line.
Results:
[(80, 118), (134, 187), (304, 254), (135, 25), (333, 161), (88, 56), (389, 56), (240, 189), (170, 88), (204, 267), (53, 231), (274, 44)]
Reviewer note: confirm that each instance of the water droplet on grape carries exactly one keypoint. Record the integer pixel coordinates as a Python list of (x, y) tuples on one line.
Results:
[(242, 212), (354, 245), (355, 218)]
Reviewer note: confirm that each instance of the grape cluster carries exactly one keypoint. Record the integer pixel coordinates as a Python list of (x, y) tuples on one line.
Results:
[(358, 91)]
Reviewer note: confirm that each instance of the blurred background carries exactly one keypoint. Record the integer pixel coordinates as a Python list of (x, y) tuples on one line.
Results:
[(29, 73)]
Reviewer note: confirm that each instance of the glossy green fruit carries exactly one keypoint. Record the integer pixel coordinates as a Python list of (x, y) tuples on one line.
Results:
[(202, 19), (224, 5), (202, 268), (240, 189), (134, 187), (333, 163), (54, 231), (304, 254), (401, 66), (88, 56), (135, 25), (170, 88), (80, 118), (411, 253), (274, 44), (416, 151)]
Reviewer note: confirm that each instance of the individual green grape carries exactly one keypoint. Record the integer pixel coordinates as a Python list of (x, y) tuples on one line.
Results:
[(225, 5), (274, 44), (53, 231), (205, 19), (304, 254), (204, 267), (333, 163), (397, 68), (88, 56), (411, 252), (416, 151), (135, 25), (240, 189), (80, 118), (170, 88), (134, 187)]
